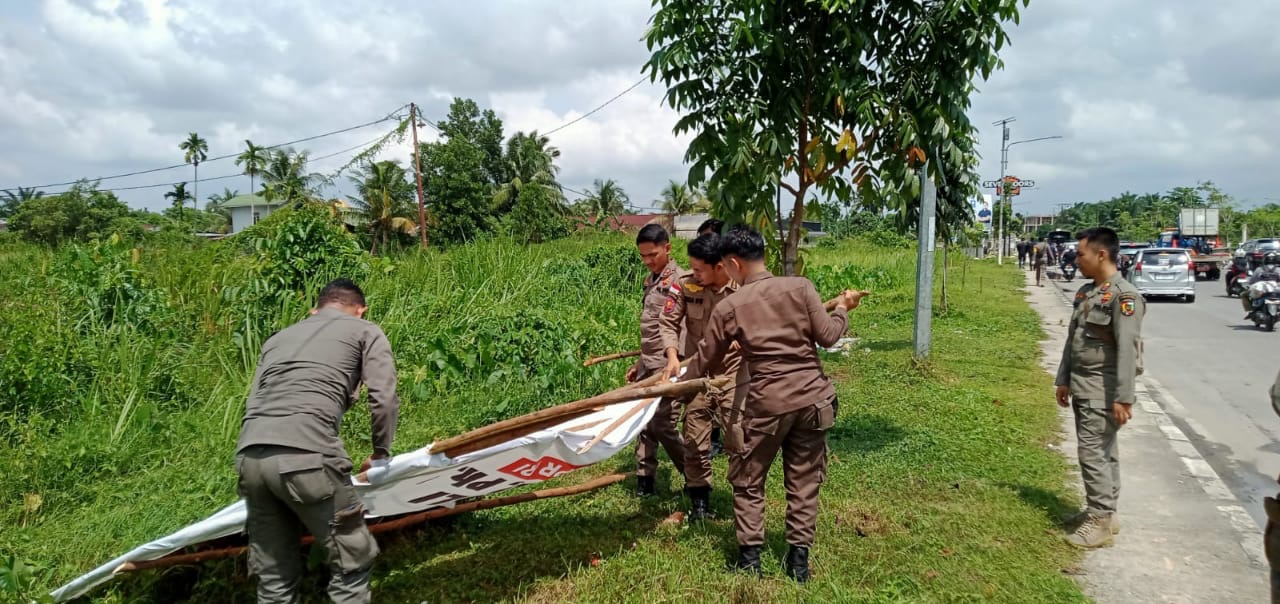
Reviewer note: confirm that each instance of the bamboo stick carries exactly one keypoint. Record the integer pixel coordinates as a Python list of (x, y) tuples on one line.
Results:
[(614, 425), (620, 395), (610, 357), (382, 527)]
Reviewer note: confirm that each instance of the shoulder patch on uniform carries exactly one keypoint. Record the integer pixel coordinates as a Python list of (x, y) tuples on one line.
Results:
[(670, 306), (1127, 306), (692, 287)]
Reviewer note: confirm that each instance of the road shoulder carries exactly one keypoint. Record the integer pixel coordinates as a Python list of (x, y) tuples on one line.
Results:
[(1185, 537)]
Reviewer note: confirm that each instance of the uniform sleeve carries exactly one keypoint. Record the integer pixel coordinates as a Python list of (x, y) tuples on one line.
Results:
[(827, 328), (1126, 321), (1275, 395), (379, 375), (1064, 366), (671, 318), (716, 339)]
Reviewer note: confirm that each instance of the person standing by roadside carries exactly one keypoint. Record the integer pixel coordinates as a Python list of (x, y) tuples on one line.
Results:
[(294, 472), (690, 303), (655, 252), (1096, 378), (790, 402), (1039, 254), (1271, 535), (1022, 253)]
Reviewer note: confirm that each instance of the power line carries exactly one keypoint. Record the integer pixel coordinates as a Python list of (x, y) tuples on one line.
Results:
[(223, 177), (389, 116), (598, 108)]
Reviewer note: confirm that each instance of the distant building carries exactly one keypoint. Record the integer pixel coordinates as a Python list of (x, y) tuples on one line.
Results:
[(630, 223), (4, 225), (247, 210), (1031, 224)]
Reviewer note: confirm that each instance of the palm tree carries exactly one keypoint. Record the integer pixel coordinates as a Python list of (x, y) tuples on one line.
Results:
[(606, 198), (217, 199), (385, 201), (179, 195), (284, 177), (195, 151), (530, 159), (254, 159), (13, 200), (676, 198)]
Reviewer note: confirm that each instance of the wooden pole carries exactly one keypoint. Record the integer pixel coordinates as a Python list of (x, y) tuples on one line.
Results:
[(417, 175), (383, 527), (610, 357), (576, 409), (615, 423)]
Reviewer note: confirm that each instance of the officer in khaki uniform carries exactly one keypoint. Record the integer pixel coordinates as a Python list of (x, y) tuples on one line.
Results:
[(790, 402), (294, 472), (690, 303), (1271, 536), (655, 251), (1100, 365)]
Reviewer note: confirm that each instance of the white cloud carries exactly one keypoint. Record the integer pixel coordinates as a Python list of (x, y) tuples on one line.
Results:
[(1148, 97)]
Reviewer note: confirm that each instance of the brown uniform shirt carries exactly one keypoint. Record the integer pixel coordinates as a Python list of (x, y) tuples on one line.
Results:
[(307, 378), (689, 302), (653, 355), (1101, 357), (775, 321)]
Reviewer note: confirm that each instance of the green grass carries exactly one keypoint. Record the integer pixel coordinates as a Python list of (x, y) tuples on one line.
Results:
[(940, 485)]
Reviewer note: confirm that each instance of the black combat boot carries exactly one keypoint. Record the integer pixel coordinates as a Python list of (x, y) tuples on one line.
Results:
[(699, 503), (798, 563), (748, 559), (644, 486)]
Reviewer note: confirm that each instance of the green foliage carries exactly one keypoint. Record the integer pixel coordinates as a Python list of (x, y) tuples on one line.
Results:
[(385, 203), (837, 96), (82, 213), (538, 215), (107, 287)]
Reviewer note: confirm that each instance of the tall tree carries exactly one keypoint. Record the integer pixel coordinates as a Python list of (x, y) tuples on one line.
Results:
[(483, 129), (12, 200), (605, 199), (216, 202), (254, 159), (385, 202), (285, 178), (678, 198), (179, 196), (195, 150), (835, 96), (530, 160)]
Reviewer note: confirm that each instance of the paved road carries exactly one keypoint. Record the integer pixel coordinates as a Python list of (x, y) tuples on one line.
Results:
[(1220, 368)]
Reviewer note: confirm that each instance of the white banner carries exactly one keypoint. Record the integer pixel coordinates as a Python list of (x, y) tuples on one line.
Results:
[(420, 480)]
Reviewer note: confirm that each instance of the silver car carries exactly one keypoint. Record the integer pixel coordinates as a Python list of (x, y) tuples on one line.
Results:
[(1164, 271)]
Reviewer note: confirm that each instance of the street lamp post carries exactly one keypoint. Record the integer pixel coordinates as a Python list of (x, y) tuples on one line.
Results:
[(1004, 187)]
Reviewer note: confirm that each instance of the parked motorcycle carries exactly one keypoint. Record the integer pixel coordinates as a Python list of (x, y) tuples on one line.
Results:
[(1265, 297), (1237, 277)]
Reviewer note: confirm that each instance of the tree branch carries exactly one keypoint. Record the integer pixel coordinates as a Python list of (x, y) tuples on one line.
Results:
[(788, 187)]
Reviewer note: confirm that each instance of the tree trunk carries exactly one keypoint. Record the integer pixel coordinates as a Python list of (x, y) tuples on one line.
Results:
[(195, 200), (944, 275)]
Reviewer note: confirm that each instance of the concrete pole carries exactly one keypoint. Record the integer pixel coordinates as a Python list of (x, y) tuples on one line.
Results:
[(926, 235)]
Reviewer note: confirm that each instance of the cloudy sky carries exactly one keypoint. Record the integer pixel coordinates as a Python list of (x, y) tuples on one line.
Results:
[(1147, 95)]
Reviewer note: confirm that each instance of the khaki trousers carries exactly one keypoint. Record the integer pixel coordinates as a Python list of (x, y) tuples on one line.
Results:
[(1099, 453), (288, 491), (801, 435), (660, 431)]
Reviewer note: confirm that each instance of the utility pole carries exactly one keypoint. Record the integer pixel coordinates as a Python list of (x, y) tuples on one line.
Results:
[(1003, 199), (925, 234), (417, 175)]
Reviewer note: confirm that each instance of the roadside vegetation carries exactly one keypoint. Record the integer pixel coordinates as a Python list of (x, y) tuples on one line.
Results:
[(124, 369)]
